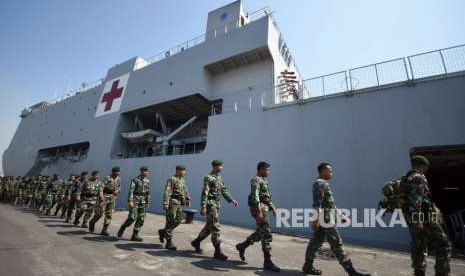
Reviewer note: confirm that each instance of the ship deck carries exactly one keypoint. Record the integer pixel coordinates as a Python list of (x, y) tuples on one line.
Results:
[(34, 244)]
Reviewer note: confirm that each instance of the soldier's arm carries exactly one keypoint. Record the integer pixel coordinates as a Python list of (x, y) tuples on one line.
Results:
[(118, 187), (255, 191), (168, 192), (417, 195), (318, 193), (131, 191), (226, 194), (205, 191)]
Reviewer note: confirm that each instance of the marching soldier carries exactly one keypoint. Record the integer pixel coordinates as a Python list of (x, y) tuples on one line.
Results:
[(91, 191), (175, 196), (74, 191), (66, 192), (52, 190), (260, 204), (213, 189), (42, 191), (138, 200), (111, 189), (323, 201), (427, 231)]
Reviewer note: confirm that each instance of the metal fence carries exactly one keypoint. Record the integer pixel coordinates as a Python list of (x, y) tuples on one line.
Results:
[(440, 63)]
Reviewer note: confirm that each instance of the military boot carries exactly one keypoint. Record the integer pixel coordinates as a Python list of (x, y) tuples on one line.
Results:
[(105, 231), (47, 212), (419, 272), (268, 263), (170, 245), (352, 272), (241, 248), (76, 222), (92, 226), (308, 269), (219, 254), (67, 219), (196, 244), (161, 235), (135, 236)]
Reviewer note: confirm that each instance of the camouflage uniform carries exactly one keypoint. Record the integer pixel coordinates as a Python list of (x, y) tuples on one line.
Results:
[(52, 190), (111, 189), (61, 198), (213, 189), (419, 201), (139, 194), (74, 189), (67, 186), (42, 192), (323, 199), (11, 189), (19, 190), (259, 200), (91, 190), (176, 195)]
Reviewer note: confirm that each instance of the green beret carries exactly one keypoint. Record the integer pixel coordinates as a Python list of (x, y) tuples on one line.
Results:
[(95, 172), (84, 173), (419, 159), (217, 162), (115, 169), (144, 168), (180, 168)]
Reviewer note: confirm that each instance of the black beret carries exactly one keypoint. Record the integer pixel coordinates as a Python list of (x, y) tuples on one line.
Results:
[(217, 162), (144, 168), (115, 169), (419, 159), (180, 168), (95, 172), (84, 173)]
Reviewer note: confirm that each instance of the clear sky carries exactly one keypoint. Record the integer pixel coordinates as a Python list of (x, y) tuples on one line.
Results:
[(47, 45)]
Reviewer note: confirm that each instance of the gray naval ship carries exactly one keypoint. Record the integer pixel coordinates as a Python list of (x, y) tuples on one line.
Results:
[(235, 93)]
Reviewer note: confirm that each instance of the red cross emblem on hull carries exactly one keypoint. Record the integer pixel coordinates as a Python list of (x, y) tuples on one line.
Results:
[(112, 95)]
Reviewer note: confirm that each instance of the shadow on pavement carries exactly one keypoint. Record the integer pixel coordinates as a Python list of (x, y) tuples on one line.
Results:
[(70, 233), (223, 266), (59, 225), (283, 272), (177, 253), (132, 246), (100, 238)]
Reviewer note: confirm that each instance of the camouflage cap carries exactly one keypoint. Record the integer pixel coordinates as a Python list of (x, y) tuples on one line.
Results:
[(115, 169), (55, 175), (420, 160), (217, 162), (180, 168), (144, 168), (84, 173), (95, 172)]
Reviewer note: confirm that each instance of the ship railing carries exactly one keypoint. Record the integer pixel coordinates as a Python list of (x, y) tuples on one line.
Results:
[(441, 63), (220, 31)]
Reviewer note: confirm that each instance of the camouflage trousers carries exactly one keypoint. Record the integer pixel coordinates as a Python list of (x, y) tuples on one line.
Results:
[(136, 214), (107, 209), (72, 204), (433, 234), (335, 242), (262, 232), (173, 219), (64, 205), (86, 208), (212, 226), (50, 201)]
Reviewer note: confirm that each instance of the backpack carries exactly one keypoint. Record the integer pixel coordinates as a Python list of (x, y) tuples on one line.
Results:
[(394, 195)]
